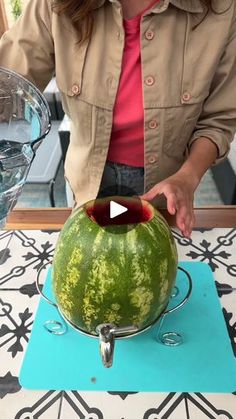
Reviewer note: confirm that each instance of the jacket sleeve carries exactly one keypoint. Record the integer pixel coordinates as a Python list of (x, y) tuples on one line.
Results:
[(218, 117), (27, 47)]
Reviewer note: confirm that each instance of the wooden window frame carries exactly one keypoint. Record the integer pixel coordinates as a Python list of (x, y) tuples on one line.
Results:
[(3, 18)]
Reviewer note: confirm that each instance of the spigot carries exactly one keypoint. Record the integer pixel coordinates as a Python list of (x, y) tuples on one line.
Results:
[(107, 333)]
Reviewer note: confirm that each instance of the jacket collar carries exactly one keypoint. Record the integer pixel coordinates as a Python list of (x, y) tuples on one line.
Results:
[(191, 6), (197, 6)]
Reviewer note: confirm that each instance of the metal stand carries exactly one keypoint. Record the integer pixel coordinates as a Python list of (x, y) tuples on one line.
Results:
[(174, 338), (52, 326), (107, 333)]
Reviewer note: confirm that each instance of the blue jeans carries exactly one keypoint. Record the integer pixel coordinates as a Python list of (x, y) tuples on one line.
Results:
[(120, 179)]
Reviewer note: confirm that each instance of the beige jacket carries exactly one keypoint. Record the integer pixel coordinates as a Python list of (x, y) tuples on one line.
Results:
[(189, 81)]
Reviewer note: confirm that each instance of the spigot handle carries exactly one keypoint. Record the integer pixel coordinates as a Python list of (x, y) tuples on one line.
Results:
[(119, 331), (106, 343)]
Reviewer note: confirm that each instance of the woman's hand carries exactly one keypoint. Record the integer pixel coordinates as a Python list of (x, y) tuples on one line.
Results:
[(179, 192)]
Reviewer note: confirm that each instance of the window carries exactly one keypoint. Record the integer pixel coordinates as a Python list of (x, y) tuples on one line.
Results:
[(3, 18), (10, 10)]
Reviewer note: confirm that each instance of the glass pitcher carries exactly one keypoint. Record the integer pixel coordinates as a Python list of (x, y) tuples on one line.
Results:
[(24, 122)]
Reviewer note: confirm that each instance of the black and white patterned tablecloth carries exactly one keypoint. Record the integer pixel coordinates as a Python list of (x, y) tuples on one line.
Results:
[(22, 253)]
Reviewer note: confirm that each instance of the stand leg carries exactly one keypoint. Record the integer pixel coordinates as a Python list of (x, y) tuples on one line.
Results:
[(169, 338), (56, 327), (174, 338)]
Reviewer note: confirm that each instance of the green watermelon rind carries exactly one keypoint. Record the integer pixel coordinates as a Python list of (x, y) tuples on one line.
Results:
[(100, 277)]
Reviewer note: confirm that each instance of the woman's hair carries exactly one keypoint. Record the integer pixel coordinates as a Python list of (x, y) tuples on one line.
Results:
[(81, 14)]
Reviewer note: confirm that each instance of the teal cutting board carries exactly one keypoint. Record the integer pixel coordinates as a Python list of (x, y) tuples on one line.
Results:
[(203, 363)]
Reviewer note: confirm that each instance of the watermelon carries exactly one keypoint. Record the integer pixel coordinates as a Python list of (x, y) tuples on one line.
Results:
[(102, 274)]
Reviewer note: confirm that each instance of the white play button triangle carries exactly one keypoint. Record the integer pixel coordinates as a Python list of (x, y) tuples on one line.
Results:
[(116, 209)]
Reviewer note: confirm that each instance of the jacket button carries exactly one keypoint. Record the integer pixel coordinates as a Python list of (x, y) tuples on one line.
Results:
[(152, 124), (75, 89), (149, 81), (186, 96), (149, 35), (151, 159)]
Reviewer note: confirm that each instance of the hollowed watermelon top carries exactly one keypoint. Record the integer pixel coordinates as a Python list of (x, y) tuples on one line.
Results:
[(138, 211)]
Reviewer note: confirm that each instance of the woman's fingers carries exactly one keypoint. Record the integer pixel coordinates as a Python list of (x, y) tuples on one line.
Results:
[(150, 194), (185, 221), (184, 218), (179, 202), (171, 203)]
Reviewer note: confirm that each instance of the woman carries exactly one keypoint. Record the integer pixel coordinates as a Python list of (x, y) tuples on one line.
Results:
[(150, 88)]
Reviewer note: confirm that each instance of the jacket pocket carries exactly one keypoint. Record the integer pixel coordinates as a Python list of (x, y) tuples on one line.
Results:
[(79, 111), (178, 132)]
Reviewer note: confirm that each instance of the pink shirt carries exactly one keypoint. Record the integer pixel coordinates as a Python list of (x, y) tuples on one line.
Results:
[(127, 137)]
